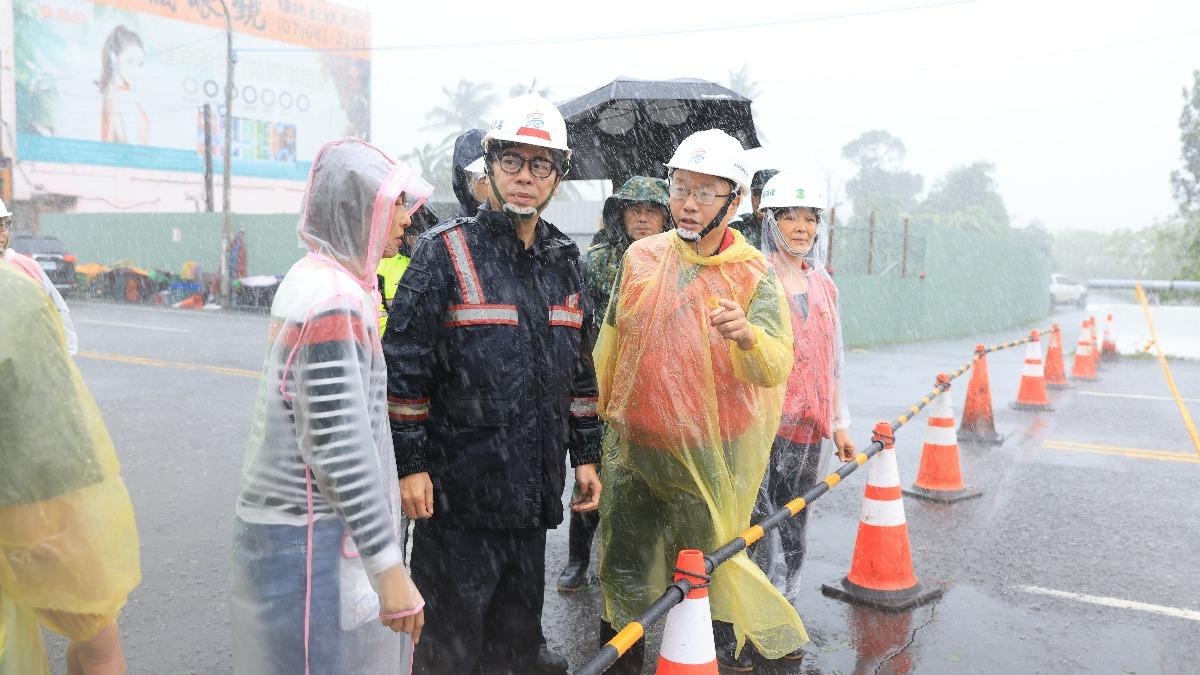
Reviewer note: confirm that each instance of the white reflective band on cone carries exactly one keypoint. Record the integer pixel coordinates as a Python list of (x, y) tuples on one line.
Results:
[(889, 513), (1034, 369), (883, 470), (688, 637), (936, 435)]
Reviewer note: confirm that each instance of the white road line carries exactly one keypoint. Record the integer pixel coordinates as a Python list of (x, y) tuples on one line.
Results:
[(1140, 397), (122, 324), (1191, 615)]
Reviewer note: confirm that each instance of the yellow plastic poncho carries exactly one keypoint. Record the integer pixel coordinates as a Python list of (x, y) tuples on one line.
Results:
[(690, 422), (68, 543)]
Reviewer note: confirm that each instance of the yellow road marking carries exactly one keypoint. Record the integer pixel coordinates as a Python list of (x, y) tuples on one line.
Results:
[(1138, 453), (180, 365), (1162, 360)]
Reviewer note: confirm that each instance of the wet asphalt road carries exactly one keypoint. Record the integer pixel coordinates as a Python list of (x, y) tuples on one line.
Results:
[(1095, 500)]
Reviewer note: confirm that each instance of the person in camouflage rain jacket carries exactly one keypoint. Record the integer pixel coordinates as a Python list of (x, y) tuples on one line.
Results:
[(636, 211)]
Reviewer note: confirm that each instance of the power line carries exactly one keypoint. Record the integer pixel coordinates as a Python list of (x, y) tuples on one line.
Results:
[(601, 37)]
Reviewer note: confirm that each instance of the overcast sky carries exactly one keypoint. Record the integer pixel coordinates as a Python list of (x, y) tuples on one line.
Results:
[(1077, 103)]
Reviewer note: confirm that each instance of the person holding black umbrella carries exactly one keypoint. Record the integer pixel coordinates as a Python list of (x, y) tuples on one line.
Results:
[(751, 224), (690, 360)]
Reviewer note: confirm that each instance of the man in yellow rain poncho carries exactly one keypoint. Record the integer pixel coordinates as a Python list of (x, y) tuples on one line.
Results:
[(690, 360), (68, 545)]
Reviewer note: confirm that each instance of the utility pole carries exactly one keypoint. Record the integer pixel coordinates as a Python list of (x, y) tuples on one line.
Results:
[(208, 175), (225, 271)]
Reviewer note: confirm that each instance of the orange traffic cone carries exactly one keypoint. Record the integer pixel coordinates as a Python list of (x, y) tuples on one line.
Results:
[(687, 642), (1108, 349), (1084, 367), (977, 423), (939, 478), (1056, 371), (1032, 394), (881, 573), (1095, 342)]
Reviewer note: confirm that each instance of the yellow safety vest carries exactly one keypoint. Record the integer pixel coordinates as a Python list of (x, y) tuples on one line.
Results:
[(391, 269)]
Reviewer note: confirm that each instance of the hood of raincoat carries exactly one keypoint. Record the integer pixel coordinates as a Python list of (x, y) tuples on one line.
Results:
[(352, 189), (467, 148), (636, 189), (776, 248)]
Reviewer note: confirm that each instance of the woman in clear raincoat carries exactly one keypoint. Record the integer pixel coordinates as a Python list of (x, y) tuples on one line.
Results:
[(814, 408), (68, 543), (318, 550), (690, 414)]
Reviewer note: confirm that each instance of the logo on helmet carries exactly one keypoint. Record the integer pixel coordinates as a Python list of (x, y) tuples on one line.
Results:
[(697, 156), (799, 193)]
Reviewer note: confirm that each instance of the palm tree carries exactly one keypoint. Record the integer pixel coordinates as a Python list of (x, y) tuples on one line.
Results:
[(466, 108), (532, 88), (434, 164), (739, 81)]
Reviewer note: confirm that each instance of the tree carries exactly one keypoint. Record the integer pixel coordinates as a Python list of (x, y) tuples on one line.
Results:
[(1185, 182), (521, 89), (967, 199), (741, 82), (466, 107), (434, 162), (880, 184)]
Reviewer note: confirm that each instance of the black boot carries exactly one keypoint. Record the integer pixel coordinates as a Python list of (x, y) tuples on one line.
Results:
[(550, 663), (631, 662), (579, 551), (726, 645)]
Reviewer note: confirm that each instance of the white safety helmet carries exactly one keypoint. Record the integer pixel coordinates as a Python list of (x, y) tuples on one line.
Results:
[(532, 120), (715, 153), (792, 189), (4, 212)]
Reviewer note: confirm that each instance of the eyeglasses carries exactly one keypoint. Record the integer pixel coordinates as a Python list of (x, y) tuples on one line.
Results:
[(512, 163), (6, 223), (704, 196)]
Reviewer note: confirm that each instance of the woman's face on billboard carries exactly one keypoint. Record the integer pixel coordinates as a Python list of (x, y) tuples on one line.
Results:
[(129, 64)]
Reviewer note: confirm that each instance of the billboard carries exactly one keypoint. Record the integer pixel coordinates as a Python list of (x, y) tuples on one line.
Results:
[(122, 82)]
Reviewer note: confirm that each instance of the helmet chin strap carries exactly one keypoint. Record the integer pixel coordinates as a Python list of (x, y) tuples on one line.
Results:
[(513, 211), (782, 244), (693, 237)]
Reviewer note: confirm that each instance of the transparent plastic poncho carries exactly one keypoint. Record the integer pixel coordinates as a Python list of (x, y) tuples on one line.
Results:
[(690, 417), (814, 402), (318, 510), (68, 542)]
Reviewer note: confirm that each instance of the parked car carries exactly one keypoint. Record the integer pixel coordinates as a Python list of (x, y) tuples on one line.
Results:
[(51, 254), (1064, 291)]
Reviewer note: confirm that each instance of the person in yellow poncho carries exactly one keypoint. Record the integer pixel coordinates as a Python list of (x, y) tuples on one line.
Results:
[(691, 358), (68, 543)]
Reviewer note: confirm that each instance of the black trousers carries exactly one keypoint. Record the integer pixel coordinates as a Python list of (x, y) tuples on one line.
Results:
[(483, 593)]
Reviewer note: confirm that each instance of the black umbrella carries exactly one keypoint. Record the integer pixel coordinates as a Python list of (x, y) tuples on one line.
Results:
[(630, 127)]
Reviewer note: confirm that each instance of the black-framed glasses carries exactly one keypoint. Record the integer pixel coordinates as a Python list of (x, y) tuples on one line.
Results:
[(704, 196), (512, 163)]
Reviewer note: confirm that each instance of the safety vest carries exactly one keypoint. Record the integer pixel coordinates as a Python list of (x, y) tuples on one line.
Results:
[(390, 270)]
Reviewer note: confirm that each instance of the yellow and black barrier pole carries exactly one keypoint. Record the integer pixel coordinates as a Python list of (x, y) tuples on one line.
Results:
[(677, 591)]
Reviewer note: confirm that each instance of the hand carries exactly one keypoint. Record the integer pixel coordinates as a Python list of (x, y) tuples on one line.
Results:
[(416, 495), (588, 482), (100, 655), (397, 593), (845, 447), (730, 321)]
